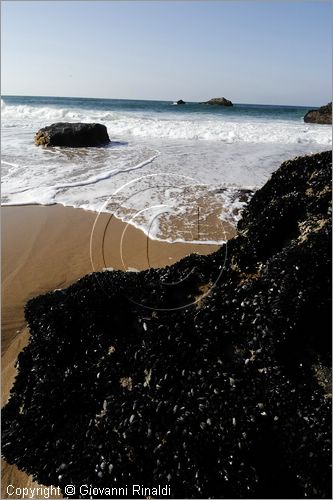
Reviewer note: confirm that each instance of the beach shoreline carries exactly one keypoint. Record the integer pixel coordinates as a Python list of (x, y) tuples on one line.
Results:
[(50, 247), (77, 242), (166, 248)]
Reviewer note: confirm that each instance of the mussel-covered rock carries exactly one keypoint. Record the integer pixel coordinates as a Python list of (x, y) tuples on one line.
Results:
[(211, 376)]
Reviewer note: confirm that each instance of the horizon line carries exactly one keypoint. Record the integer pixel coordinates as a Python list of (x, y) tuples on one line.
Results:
[(157, 100)]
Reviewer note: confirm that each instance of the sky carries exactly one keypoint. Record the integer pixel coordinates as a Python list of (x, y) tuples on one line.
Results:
[(248, 51)]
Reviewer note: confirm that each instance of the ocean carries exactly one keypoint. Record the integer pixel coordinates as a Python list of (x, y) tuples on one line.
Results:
[(168, 170)]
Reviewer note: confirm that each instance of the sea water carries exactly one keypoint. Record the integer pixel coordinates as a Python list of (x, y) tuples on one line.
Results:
[(168, 169)]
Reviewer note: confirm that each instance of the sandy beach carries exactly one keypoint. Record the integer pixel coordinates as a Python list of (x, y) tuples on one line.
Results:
[(49, 247), (166, 202)]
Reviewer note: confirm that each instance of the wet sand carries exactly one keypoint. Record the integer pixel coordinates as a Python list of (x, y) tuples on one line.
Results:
[(44, 248)]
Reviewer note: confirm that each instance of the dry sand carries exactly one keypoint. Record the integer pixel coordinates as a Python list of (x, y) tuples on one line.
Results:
[(44, 248)]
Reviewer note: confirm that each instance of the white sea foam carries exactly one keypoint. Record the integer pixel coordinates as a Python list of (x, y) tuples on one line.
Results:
[(173, 163), (181, 126)]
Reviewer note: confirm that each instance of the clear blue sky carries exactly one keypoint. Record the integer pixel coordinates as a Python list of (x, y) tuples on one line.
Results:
[(252, 52)]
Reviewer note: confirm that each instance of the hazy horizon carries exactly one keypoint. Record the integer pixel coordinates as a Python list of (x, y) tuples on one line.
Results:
[(249, 52), (159, 100)]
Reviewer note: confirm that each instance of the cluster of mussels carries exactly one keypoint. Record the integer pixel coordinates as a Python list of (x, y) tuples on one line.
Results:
[(210, 376)]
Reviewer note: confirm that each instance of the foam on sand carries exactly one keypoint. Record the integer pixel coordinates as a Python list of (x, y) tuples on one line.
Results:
[(153, 152)]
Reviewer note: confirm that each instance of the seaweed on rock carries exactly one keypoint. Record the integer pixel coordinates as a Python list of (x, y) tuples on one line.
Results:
[(129, 379)]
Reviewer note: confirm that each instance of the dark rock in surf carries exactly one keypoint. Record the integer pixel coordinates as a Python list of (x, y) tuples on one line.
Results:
[(73, 135), (322, 115), (130, 380), (181, 101), (220, 101)]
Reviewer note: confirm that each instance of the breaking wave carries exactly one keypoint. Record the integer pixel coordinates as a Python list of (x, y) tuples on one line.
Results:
[(228, 129)]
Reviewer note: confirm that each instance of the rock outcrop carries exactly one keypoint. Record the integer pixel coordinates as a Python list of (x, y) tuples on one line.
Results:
[(322, 115), (181, 101), (210, 376), (220, 101), (73, 135)]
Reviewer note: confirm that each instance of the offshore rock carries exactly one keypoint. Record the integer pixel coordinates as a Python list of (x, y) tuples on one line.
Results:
[(322, 115), (73, 135), (220, 101), (181, 101), (210, 376)]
